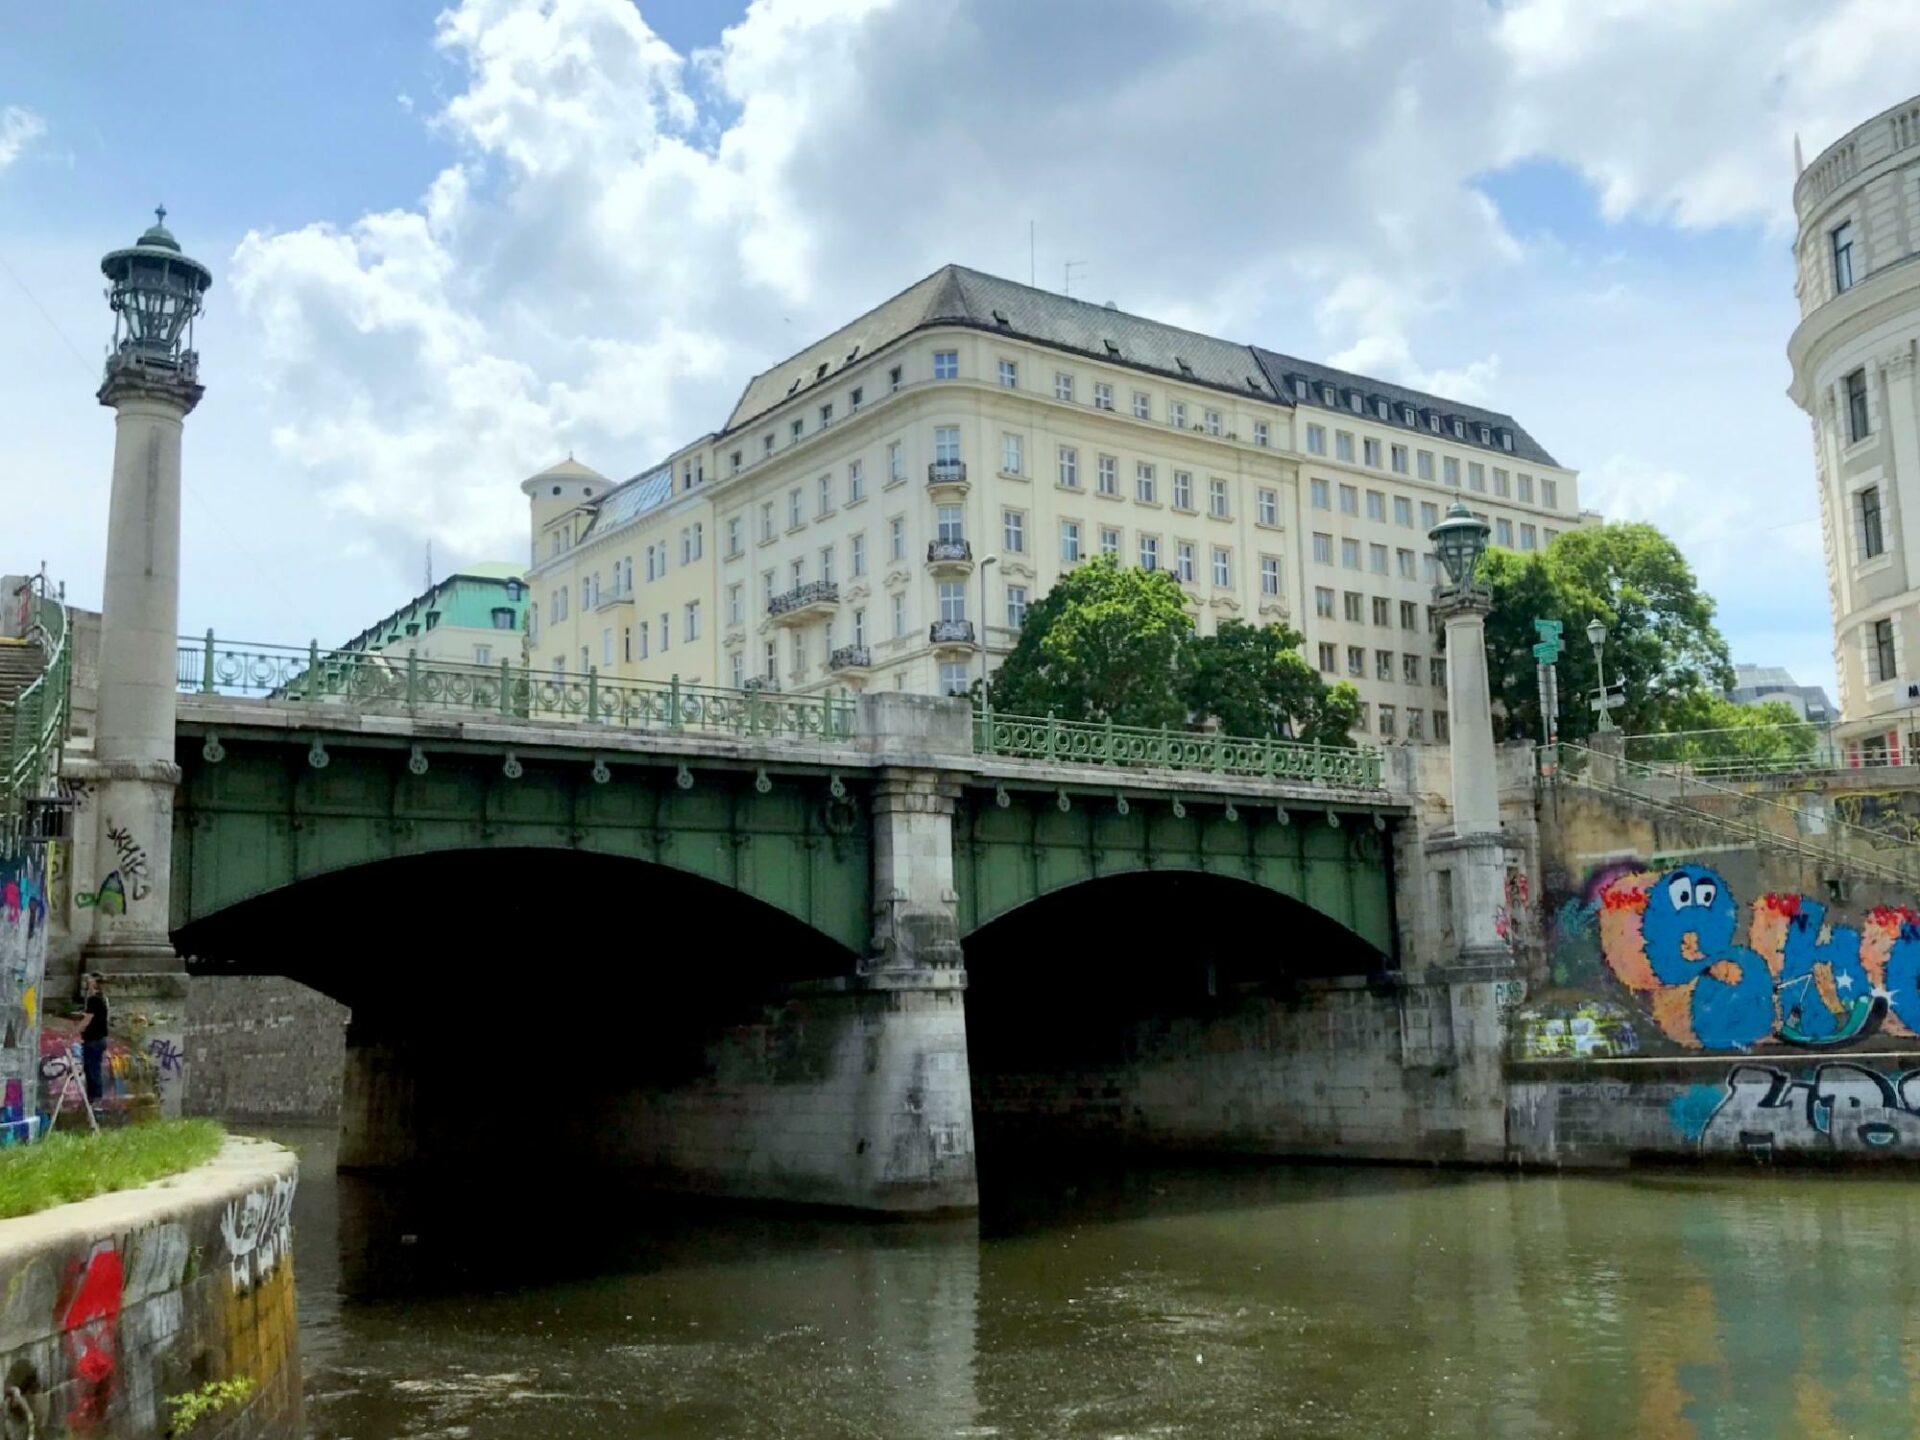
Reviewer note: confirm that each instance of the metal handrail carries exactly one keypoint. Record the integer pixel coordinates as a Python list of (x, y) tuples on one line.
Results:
[(381, 679), (33, 725), (1028, 737), (1897, 862)]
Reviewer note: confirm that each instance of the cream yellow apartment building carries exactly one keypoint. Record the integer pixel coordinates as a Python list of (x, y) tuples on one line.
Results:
[(882, 508)]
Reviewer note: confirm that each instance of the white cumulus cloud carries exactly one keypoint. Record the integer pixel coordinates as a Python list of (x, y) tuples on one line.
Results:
[(19, 128)]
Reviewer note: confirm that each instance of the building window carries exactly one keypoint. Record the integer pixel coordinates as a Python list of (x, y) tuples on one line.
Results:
[(1885, 665), (1182, 490), (1222, 569), (949, 526), (1069, 468), (1440, 725), (1450, 471), (738, 459), (1213, 422), (856, 482), (1549, 492), (797, 649), (1069, 542), (1016, 606), (1410, 672), (1423, 464), (946, 445), (1270, 576), (897, 538), (1409, 613), (1404, 559), (483, 654), (1357, 661), (1350, 554), (899, 615), (1013, 450), (1397, 456), (1010, 374), (1349, 500), (794, 509), (1525, 491), (503, 618), (1857, 406), (1437, 676), (797, 573), (1142, 405), (1217, 499), (1109, 543), (854, 399), (826, 416), (1529, 538), (1107, 477), (1382, 611), (736, 606), (1370, 452), (1842, 242), (1503, 533), (1261, 434), (1102, 395), (733, 536), (1402, 511), (1476, 480), (953, 600), (1872, 541), (1321, 494), (1377, 559), (946, 364), (1355, 606), (666, 631), (1386, 722), (1343, 446), (826, 564), (896, 377), (1323, 602), (1503, 487), (1416, 727), (1144, 488), (896, 463), (1316, 439), (1329, 659), (1269, 507), (1063, 386), (736, 669), (859, 554), (860, 628), (692, 621), (1376, 506), (1177, 414), (953, 677), (1149, 552), (1013, 532), (1322, 549), (1183, 562)]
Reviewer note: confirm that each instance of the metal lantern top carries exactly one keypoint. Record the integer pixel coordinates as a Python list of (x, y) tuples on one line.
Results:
[(156, 292), (1460, 540)]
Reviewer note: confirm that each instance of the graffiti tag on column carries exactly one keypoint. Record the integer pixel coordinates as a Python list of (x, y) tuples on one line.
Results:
[(126, 881), (168, 1061), (258, 1229), (1842, 1108), (1799, 979)]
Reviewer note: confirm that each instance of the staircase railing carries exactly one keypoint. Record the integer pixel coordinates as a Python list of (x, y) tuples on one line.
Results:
[(1684, 796), (33, 725)]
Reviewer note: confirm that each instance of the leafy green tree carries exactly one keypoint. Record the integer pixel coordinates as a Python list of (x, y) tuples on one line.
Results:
[(1256, 683), (1718, 734), (1661, 638), (1105, 643)]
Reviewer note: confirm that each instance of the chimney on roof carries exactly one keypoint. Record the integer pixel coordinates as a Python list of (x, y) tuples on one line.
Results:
[(1109, 306)]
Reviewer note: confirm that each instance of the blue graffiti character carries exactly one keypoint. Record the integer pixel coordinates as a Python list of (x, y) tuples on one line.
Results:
[(1812, 1012), (1688, 932)]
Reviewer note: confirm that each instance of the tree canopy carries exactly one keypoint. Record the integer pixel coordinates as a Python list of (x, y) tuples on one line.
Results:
[(1114, 643), (1661, 639)]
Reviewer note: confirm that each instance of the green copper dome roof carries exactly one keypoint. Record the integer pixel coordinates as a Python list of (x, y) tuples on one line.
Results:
[(158, 234)]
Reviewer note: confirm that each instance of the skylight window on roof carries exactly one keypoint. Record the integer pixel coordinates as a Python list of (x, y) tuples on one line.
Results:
[(821, 372), (853, 354), (1000, 317), (1112, 349), (1252, 384), (1185, 368), (796, 384)]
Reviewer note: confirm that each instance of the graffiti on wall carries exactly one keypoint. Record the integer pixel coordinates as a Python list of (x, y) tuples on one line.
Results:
[(1799, 979), (128, 881), (1839, 1108), (258, 1229), (23, 955), (1888, 819), (89, 1327), (1567, 1021), (129, 1073)]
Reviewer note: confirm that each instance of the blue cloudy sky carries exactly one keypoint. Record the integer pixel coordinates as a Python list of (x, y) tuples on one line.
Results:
[(452, 242)]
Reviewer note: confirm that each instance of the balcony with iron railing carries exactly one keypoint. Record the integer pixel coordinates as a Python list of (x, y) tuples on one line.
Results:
[(850, 658), (950, 557), (814, 600), (947, 475), (951, 634)]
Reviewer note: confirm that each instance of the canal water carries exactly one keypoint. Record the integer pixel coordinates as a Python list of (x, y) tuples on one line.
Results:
[(1309, 1301)]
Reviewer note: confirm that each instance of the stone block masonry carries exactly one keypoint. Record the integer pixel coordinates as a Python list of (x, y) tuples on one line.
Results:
[(113, 1305), (263, 1048)]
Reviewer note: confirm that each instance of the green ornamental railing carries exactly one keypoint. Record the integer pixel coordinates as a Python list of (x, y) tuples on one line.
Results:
[(382, 680), (1025, 737), (33, 725)]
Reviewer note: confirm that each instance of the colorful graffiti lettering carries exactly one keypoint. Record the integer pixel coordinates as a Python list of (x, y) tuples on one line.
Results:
[(168, 1061), (258, 1228), (1841, 1108), (1590, 1030), (133, 861), (89, 1327), (1799, 980), (109, 899)]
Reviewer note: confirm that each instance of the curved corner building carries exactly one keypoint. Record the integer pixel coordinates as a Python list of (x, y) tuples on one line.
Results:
[(1858, 279)]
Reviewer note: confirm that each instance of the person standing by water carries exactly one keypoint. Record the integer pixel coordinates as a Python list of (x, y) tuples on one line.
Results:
[(93, 1039)]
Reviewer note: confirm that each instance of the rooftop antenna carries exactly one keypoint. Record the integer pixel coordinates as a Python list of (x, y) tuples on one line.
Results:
[(1066, 280)]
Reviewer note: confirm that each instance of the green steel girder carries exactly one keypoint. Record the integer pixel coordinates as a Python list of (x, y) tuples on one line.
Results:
[(262, 817), (1005, 856)]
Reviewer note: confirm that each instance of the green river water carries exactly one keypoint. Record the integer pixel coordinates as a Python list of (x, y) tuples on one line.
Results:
[(1271, 1301)]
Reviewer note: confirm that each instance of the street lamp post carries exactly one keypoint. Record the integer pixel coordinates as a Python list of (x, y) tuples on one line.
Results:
[(1603, 693), (984, 563)]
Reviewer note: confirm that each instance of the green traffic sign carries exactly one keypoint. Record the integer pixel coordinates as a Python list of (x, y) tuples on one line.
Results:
[(1548, 629)]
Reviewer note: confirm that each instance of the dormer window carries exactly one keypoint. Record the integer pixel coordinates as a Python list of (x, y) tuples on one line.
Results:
[(513, 590), (1329, 396), (1506, 440), (1459, 428), (1485, 435), (796, 384), (1000, 318), (1381, 409), (1301, 390), (413, 627), (1355, 403), (1185, 368), (853, 354), (1407, 415), (821, 372), (1112, 349)]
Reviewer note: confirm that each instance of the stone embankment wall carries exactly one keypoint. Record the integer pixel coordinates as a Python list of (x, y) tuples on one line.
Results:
[(1700, 997), (113, 1305), (263, 1048)]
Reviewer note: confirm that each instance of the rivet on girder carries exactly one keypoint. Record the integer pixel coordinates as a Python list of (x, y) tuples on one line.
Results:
[(1333, 819), (512, 769), (761, 781), (1000, 796), (317, 755), (601, 774), (683, 777), (836, 787), (417, 761), (213, 752), (1120, 806), (1284, 818), (1060, 799), (1379, 821), (1179, 810), (1232, 814)]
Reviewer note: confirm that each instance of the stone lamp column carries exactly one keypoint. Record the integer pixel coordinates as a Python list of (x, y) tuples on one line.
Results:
[(152, 385)]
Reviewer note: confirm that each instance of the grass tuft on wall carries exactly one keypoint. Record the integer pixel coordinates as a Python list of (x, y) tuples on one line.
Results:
[(70, 1166)]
